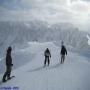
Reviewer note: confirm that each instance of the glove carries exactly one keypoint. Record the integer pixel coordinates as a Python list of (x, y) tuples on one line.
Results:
[(11, 64)]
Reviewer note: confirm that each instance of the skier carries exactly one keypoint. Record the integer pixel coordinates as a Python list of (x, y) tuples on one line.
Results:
[(47, 54), (8, 65), (63, 53)]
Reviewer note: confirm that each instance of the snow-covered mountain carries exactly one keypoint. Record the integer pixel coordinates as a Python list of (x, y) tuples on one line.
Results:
[(12, 33)]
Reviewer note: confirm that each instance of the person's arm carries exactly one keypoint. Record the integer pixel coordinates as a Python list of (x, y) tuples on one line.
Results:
[(11, 62), (66, 51), (61, 51), (50, 54)]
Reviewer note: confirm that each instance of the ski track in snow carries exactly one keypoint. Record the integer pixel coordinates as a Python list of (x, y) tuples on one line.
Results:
[(74, 74)]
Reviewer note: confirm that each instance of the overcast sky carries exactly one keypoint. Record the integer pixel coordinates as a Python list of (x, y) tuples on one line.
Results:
[(76, 12)]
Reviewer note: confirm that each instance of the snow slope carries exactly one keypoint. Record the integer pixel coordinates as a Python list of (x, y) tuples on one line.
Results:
[(74, 74)]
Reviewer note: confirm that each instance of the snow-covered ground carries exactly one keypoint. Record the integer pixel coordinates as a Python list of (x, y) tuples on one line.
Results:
[(74, 74)]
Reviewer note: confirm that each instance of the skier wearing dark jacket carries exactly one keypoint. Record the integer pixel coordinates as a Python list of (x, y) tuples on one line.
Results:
[(47, 54), (63, 53), (8, 65)]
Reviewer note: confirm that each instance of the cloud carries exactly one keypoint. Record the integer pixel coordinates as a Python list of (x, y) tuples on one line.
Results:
[(80, 6), (10, 4), (86, 0), (52, 11)]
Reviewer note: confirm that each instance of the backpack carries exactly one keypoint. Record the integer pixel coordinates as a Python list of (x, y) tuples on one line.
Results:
[(47, 53)]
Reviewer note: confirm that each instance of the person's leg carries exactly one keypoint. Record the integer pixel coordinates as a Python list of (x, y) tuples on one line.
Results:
[(5, 74), (48, 61), (61, 58), (9, 72), (45, 61)]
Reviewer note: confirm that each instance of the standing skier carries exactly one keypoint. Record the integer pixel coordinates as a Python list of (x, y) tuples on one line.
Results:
[(63, 53), (47, 54), (8, 65)]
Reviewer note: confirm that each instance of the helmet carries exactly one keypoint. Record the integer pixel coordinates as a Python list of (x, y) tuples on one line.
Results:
[(9, 49)]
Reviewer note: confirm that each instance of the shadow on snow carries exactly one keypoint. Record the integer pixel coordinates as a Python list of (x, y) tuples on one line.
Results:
[(41, 67)]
